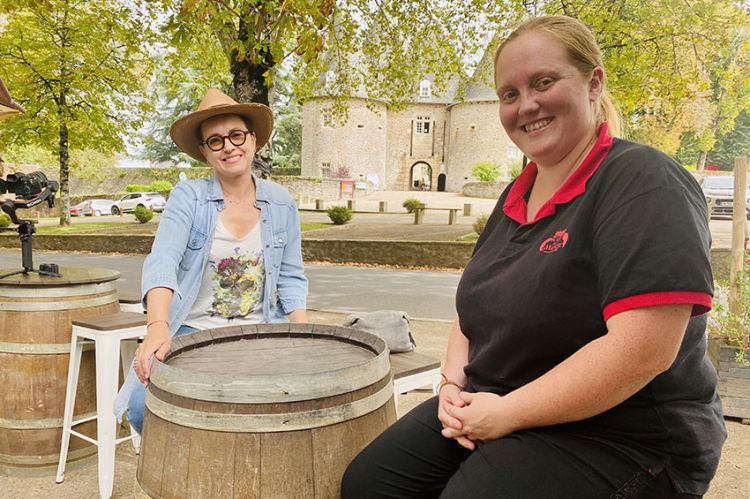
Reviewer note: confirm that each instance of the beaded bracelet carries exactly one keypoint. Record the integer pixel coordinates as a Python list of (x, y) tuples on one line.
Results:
[(445, 381)]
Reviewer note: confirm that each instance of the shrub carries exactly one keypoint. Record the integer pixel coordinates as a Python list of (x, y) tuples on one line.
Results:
[(732, 328), (486, 171), (4, 220), (143, 214), (411, 204), (480, 223), (339, 215), (138, 188), (160, 185)]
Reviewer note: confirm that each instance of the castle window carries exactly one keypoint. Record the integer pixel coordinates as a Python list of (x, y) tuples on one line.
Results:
[(325, 169), (327, 119), (425, 88), (423, 124)]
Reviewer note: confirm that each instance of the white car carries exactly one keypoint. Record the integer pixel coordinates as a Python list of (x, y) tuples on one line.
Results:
[(129, 202)]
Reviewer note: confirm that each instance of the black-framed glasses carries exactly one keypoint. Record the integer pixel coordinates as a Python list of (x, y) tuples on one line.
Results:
[(236, 137)]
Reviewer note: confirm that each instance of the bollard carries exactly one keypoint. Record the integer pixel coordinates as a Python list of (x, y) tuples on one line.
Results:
[(319, 204), (383, 207), (467, 209), (350, 204), (419, 214)]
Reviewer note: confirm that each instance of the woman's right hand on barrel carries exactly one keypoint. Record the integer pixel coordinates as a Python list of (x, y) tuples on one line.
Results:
[(157, 343)]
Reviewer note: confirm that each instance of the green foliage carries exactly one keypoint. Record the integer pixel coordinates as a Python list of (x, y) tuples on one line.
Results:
[(79, 70), (515, 171), (339, 215), (731, 324), (480, 223), (5, 220), (143, 214), (160, 186), (486, 171), (176, 88), (30, 154), (138, 188), (411, 204), (287, 141)]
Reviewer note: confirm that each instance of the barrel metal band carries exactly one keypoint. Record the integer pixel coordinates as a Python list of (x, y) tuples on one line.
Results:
[(35, 306), (261, 423), (269, 389), (39, 424), (39, 463), (40, 348), (10, 292)]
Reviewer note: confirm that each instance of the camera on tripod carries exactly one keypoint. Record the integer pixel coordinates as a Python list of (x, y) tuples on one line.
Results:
[(30, 190), (27, 185)]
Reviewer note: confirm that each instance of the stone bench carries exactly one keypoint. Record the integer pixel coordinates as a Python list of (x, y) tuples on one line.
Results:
[(419, 214)]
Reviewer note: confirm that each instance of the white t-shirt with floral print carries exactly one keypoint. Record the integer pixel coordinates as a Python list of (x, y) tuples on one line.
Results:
[(231, 290)]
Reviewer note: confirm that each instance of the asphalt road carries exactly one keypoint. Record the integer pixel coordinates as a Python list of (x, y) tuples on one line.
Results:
[(422, 294)]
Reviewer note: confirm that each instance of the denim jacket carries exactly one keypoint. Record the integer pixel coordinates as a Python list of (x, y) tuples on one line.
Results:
[(183, 242)]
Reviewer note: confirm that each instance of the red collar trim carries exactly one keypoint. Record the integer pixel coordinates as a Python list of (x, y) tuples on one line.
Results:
[(515, 203)]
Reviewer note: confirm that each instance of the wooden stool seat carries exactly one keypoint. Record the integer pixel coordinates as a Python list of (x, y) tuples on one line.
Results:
[(412, 370)]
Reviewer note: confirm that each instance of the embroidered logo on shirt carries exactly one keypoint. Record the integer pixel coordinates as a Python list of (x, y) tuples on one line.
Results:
[(554, 243)]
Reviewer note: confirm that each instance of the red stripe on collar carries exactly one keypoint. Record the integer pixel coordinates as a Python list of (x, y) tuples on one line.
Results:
[(515, 203)]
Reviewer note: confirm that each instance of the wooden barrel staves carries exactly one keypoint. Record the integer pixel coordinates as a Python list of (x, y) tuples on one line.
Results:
[(274, 410), (35, 331)]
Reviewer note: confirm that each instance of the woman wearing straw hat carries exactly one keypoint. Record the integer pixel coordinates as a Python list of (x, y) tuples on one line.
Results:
[(228, 248)]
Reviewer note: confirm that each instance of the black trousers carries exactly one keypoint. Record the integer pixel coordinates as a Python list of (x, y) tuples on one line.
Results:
[(412, 459)]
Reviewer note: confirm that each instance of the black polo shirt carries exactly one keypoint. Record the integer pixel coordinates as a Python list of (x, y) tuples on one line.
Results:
[(628, 229)]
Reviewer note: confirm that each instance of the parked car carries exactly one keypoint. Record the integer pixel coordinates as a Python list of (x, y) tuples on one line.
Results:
[(98, 207), (719, 192), (129, 202), (77, 210)]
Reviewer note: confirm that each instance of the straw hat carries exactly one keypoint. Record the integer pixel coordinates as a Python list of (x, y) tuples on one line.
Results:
[(185, 132)]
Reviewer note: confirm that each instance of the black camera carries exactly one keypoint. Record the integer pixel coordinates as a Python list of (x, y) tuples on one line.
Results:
[(30, 190), (26, 185)]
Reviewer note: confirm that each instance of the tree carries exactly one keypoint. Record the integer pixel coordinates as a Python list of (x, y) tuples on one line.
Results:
[(733, 144), (179, 82), (287, 143), (78, 68)]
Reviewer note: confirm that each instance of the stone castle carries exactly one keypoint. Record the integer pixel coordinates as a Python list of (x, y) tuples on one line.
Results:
[(430, 145)]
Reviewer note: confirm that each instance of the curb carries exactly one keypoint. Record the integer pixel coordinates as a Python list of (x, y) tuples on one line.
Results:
[(441, 254)]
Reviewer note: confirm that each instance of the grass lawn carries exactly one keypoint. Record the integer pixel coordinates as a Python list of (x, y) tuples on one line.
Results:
[(129, 227)]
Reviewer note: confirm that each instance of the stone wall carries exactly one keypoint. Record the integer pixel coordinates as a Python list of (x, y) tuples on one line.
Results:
[(475, 134), (439, 254), (357, 146)]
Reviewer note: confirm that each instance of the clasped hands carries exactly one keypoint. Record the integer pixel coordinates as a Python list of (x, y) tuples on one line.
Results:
[(471, 418)]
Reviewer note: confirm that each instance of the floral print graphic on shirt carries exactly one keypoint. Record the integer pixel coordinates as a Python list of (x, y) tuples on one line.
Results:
[(237, 284)]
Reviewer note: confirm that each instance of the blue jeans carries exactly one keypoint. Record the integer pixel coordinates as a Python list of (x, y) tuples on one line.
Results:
[(137, 401)]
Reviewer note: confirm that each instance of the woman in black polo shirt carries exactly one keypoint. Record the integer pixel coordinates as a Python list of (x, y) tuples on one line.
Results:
[(577, 367)]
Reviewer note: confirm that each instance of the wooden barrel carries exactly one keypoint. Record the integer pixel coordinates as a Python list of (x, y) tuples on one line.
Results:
[(35, 332), (271, 411)]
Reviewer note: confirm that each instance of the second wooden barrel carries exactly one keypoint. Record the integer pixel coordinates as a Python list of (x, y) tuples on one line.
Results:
[(271, 411), (35, 329)]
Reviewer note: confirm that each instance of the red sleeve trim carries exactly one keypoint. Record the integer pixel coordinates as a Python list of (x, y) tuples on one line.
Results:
[(701, 302)]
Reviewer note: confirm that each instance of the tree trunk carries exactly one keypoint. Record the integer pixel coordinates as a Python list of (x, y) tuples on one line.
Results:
[(64, 174), (701, 165)]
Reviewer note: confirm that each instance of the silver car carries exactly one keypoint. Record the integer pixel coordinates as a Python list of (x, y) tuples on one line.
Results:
[(719, 192), (97, 207), (129, 202)]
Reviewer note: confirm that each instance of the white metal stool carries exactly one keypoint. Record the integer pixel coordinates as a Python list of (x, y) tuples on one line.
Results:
[(106, 331)]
